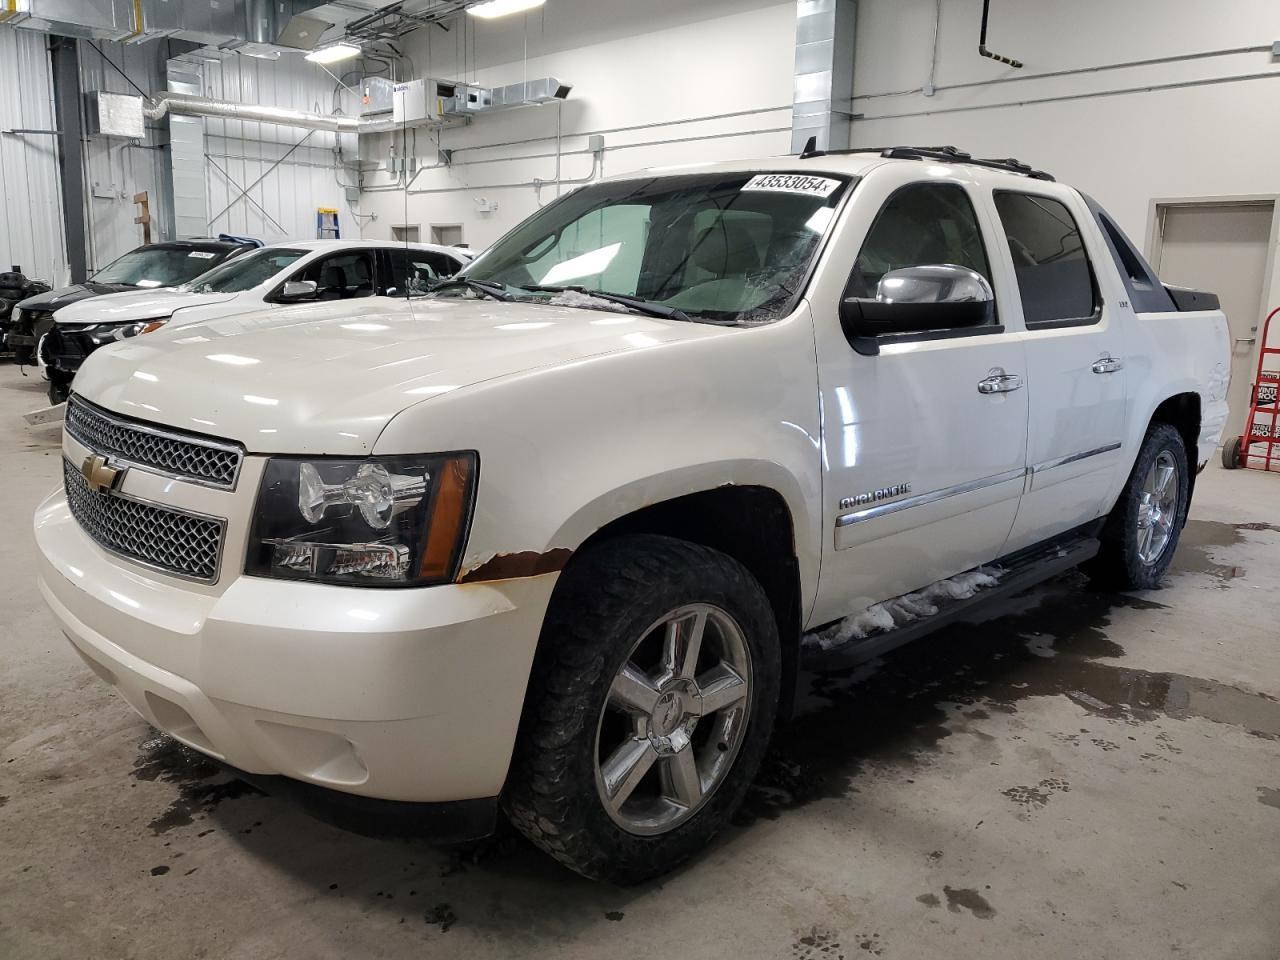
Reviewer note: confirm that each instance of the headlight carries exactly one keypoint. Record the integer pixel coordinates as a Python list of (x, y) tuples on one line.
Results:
[(15, 318), (382, 521), (104, 333)]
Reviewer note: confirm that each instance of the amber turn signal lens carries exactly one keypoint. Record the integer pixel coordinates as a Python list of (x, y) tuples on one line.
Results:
[(448, 517), (153, 326)]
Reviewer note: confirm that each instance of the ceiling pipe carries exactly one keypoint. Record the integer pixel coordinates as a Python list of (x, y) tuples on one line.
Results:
[(194, 106), (982, 40), (530, 93)]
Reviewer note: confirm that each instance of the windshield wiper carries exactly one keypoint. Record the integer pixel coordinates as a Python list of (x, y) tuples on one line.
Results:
[(490, 288), (638, 304)]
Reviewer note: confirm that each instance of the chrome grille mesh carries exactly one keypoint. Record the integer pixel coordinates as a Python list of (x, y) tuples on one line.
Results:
[(193, 458), (159, 537)]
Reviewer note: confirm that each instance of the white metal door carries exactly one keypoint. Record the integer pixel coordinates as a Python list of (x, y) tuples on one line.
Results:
[(1222, 248), (1076, 366), (914, 417)]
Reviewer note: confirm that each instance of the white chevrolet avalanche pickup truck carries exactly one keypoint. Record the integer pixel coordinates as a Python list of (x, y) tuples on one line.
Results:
[(549, 539)]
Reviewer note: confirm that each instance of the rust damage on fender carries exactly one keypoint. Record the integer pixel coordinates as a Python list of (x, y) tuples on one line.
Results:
[(509, 566)]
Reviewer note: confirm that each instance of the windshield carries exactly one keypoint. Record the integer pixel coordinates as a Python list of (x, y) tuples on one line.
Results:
[(722, 247), (159, 266), (245, 273)]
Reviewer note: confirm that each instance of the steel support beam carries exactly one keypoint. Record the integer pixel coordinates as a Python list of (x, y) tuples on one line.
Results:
[(65, 58), (823, 89)]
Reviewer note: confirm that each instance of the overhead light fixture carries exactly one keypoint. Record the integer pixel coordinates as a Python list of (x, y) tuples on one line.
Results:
[(492, 9), (334, 53)]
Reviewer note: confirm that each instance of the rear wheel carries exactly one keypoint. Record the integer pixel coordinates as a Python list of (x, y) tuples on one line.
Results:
[(1231, 453), (1141, 533), (650, 705)]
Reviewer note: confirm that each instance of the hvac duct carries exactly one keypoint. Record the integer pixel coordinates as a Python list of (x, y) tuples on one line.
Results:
[(253, 26), (454, 101), (823, 87)]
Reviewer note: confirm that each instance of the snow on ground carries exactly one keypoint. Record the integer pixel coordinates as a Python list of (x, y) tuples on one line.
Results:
[(880, 617)]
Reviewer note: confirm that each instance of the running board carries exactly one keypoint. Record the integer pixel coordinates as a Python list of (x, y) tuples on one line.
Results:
[(1022, 571)]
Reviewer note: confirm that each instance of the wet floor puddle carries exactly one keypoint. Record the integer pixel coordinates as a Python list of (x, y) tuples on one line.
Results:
[(1200, 539), (202, 784), (1052, 641)]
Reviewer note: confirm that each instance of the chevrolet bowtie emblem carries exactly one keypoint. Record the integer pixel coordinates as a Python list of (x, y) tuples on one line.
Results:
[(102, 478)]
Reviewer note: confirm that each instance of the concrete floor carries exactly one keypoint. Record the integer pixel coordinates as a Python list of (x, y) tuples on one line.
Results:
[(1087, 776)]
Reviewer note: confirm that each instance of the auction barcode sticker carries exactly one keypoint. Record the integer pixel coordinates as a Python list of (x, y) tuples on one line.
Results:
[(793, 183)]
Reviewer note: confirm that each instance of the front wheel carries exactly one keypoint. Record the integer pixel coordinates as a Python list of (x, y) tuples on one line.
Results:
[(650, 705), (1141, 533)]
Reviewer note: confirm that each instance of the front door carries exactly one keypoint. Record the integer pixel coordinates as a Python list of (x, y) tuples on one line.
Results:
[(923, 467), (1075, 361)]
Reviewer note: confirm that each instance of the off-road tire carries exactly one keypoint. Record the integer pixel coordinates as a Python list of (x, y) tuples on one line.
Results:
[(604, 603), (1118, 565)]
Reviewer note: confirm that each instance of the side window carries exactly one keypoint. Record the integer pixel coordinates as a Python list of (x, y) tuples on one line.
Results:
[(1055, 279), (414, 271), (341, 276), (922, 224)]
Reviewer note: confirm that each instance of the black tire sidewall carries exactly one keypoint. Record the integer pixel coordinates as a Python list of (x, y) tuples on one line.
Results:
[(1160, 438), (606, 849)]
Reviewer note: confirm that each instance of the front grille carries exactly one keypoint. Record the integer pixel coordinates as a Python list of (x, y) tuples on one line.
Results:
[(159, 537), (185, 456)]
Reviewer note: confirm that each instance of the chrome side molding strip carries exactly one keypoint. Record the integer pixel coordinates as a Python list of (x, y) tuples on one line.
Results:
[(884, 509), (1073, 458), (932, 496)]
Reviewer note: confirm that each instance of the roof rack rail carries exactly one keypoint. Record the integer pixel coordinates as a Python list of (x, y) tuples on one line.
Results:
[(944, 154)]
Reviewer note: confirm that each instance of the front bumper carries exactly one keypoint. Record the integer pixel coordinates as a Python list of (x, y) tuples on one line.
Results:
[(409, 694)]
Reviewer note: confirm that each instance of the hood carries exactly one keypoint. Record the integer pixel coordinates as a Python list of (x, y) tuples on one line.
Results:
[(327, 378), (135, 305), (57, 299)]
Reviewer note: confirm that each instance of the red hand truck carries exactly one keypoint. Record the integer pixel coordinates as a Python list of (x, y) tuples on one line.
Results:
[(1259, 448)]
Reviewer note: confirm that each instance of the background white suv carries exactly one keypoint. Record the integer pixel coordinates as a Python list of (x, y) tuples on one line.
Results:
[(283, 273)]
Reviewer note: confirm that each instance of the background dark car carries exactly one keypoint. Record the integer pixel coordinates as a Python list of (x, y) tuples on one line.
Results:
[(153, 265), (15, 286)]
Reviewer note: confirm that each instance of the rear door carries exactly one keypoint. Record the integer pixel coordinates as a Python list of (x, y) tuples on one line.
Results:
[(1075, 359), (922, 469)]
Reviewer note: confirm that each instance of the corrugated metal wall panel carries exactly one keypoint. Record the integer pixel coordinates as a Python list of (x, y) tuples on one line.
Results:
[(281, 201), (118, 169), (281, 204), (31, 229)]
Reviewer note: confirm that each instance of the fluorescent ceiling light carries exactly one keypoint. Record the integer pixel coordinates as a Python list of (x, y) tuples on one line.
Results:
[(491, 9), (334, 53)]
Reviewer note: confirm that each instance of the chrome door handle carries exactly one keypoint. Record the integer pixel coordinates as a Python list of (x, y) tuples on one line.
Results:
[(1246, 339), (1107, 365), (1004, 383)]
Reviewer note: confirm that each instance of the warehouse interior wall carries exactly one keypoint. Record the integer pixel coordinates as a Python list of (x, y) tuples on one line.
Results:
[(1202, 120), (31, 228), (1190, 111), (715, 83), (1165, 100), (288, 172), (665, 82), (282, 201)]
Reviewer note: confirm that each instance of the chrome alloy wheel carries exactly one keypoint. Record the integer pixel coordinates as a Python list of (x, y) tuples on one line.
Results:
[(674, 719), (1157, 507)]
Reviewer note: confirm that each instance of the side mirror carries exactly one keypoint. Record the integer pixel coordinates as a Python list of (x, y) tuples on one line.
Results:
[(915, 300), (295, 291)]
